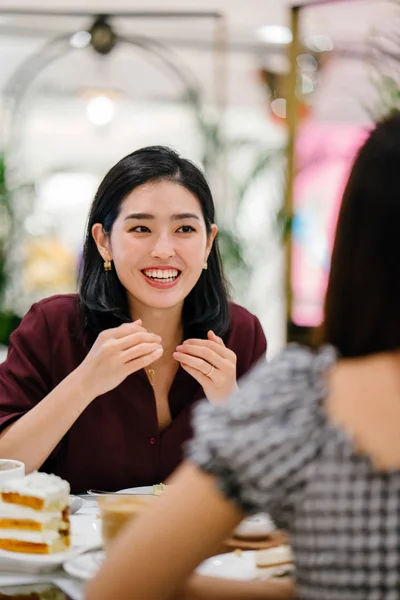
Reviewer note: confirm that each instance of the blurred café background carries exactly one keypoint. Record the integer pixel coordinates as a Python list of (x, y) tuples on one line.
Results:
[(274, 121)]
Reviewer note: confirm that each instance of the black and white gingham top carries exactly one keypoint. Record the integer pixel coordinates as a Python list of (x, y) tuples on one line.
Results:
[(273, 449)]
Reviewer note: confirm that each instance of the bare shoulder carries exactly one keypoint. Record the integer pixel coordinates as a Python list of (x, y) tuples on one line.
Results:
[(364, 400)]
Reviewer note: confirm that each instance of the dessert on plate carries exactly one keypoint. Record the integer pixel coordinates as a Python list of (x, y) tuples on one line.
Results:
[(256, 527), (159, 488), (273, 557), (34, 514), (254, 533)]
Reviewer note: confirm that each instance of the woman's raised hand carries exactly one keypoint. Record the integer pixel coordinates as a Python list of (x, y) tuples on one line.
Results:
[(117, 353), (211, 363)]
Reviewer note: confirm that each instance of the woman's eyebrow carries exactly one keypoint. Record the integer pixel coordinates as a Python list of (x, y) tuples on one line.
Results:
[(181, 216), (139, 216), (148, 216)]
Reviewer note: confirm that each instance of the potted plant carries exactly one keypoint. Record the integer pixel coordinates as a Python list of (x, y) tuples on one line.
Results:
[(8, 319)]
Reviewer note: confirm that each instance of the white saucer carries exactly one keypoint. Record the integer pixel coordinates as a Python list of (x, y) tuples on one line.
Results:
[(225, 566), (85, 566), (238, 566)]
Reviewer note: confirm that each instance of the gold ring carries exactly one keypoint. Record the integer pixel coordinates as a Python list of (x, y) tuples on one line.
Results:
[(210, 371)]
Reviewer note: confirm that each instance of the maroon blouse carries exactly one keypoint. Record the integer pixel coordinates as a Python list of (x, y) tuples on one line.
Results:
[(115, 443)]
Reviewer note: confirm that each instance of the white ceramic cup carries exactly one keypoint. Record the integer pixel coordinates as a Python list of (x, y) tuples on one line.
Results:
[(10, 469)]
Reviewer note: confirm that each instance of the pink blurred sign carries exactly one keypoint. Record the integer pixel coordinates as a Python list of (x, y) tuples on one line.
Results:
[(325, 153)]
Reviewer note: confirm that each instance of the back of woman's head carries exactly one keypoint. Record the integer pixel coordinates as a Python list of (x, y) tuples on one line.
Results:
[(102, 296), (362, 307)]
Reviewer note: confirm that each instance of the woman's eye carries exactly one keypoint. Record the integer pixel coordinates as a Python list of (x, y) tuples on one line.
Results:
[(140, 229), (186, 229)]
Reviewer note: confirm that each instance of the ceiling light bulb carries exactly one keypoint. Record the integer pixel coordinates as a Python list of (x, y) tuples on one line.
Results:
[(100, 110), (80, 39)]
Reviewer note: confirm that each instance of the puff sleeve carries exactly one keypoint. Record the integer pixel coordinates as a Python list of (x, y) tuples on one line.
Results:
[(260, 444)]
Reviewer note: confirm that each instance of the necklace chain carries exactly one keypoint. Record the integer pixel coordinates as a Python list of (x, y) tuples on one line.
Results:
[(151, 374)]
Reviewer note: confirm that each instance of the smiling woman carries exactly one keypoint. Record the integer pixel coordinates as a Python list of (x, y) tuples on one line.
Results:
[(159, 241), (118, 367)]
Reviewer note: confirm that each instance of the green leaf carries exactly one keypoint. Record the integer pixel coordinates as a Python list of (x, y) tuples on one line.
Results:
[(231, 249), (8, 322)]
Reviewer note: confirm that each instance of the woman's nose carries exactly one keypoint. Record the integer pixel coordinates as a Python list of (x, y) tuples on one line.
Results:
[(164, 248)]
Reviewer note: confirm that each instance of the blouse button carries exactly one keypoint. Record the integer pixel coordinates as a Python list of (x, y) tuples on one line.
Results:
[(152, 441)]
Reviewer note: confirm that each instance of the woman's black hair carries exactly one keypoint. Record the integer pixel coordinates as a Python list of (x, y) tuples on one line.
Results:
[(362, 305), (102, 297)]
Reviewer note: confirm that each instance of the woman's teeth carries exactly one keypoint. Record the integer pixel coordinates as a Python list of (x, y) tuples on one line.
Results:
[(164, 275)]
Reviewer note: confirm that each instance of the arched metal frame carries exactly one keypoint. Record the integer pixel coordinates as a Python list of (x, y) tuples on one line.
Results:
[(19, 84), (22, 79)]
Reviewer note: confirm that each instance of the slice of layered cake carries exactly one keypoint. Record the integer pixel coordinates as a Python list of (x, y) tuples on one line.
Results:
[(34, 514), (273, 557)]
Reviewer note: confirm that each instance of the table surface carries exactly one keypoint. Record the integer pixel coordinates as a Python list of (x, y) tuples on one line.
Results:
[(72, 586)]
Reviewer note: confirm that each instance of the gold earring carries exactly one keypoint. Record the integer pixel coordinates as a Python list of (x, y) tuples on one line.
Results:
[(107, 265), (205, 266)]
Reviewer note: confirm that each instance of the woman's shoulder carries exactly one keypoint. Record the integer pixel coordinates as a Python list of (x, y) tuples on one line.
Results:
[(240, 315), (298, 358), (59, 306), (245, 337), (50, 323), (58, 312), (261, 441), (243, 324), (294, 380), (298, 366), (59, 301)]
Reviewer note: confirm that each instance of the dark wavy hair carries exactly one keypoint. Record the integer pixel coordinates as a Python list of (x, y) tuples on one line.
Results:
[(103, 298), (362, 304)]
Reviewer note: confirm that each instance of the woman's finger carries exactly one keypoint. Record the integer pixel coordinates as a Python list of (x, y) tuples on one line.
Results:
[(197, 375), (143, 361), (124, 329), (222, 351), (139, 350), (199, 364), (139, 337), (215, 338), (208, 355)]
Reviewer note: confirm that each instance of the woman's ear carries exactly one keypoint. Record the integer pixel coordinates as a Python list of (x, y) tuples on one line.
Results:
[(211, 238), (102, 241)]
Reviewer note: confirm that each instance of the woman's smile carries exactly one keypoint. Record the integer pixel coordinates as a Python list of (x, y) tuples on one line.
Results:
[(161, 277)]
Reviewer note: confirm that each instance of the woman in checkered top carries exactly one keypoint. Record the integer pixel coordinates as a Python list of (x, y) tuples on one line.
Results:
[(312, 438)]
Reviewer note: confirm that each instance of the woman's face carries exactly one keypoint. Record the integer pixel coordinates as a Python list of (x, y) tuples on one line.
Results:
[(158, 244)]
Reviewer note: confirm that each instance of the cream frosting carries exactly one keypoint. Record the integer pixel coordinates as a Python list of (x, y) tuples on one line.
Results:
[(39, 485), (36, 537), (15, 511), (257, 526)]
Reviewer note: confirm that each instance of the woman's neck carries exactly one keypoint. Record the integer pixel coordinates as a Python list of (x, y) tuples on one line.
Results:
[(167, 323)]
